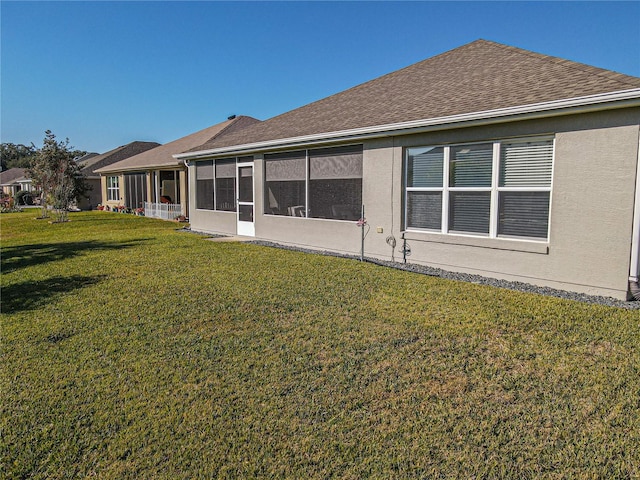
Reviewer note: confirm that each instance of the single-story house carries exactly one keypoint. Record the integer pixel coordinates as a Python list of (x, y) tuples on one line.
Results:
[(15, 180), (154, 180), (486, 159), (92, 162)]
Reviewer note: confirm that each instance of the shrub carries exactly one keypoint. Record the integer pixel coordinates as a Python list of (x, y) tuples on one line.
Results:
[(24, 197)]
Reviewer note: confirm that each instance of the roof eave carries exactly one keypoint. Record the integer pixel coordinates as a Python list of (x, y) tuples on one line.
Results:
[(103, 170), (590, 103), (16, 181)]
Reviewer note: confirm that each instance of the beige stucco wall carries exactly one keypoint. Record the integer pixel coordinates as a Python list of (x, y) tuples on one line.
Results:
[(591, 208), (596, 156)]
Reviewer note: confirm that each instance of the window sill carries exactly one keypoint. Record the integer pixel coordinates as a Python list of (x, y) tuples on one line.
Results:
[(529, 246)]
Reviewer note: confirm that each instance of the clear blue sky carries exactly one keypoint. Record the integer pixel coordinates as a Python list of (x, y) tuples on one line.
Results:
[(106, 73)]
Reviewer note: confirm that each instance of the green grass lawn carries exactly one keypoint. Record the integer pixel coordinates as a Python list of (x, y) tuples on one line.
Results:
[(133, 350)]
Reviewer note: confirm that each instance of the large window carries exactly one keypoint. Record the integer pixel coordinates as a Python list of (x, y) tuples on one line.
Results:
[(113, 189), (470, 168), (319, 183), (499, 189), (216, 184)]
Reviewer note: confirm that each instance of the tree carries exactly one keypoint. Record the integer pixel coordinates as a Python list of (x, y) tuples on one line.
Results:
[(55, 171), (12, 155)]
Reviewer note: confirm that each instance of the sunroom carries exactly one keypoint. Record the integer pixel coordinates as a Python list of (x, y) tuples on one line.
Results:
[(157, 193)]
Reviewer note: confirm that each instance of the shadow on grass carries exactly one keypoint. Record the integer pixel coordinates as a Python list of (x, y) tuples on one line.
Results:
[(32, 295), (21, 256)]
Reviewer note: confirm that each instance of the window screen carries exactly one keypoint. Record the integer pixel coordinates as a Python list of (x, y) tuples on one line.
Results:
[(204, 185), (335, 183), (285, 177), (226, 184), (169, 186), (135, 190)]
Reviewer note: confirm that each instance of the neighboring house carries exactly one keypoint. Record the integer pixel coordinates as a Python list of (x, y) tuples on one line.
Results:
[(15, 180), (155, 180), (486, 159), (84, 160), (92, 162)]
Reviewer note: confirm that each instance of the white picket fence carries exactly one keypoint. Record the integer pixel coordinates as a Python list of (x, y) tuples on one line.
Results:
[(165, 211)]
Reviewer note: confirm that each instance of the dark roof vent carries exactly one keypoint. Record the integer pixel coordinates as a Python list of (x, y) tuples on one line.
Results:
[(231, 117)]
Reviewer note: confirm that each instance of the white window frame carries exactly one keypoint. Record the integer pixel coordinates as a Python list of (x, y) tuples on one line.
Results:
[(113, 188), (447, 188), (495, 189)]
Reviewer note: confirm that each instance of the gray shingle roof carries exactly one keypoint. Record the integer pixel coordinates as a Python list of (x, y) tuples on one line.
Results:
[(89, 166), (162, 156), (8, 177), (476, 77)]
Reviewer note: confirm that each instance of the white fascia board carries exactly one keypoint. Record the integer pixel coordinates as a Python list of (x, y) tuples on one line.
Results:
[(157, 166), (619, 99)]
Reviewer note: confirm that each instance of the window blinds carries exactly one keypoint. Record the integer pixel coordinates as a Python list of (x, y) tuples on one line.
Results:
[(524, 214), (424, 210), (516, 197), (471, 165), (424, 168), (469, 212), (526, 164)]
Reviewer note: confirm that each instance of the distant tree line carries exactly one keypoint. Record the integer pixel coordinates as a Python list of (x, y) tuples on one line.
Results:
[(22, 156), (16, 156)]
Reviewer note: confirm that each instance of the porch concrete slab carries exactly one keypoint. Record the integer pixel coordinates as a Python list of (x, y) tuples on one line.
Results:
[(234, 238)]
